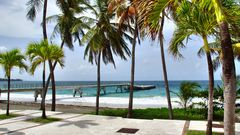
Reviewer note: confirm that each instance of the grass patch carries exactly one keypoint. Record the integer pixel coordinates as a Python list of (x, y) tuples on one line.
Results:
[(194, 132), (4, 116), (43, 121), (162, 113)]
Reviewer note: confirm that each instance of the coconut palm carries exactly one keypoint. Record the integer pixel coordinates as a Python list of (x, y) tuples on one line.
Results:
[(228, 67), (8, 61), (40, 53), (65, 23), (33, 6), (186, 93), (127, 15), (102, 40), (193, 20), (151, 21)]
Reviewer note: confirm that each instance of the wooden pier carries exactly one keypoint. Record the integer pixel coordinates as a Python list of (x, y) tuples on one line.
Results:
[(77, 89)]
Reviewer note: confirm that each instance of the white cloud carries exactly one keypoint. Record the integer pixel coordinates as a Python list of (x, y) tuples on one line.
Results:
[(14, 22), (3, 48)]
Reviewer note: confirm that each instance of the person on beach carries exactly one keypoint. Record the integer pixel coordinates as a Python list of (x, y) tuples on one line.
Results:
[(36, 93)]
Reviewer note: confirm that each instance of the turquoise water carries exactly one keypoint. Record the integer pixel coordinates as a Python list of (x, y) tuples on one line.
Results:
[(91, 92)]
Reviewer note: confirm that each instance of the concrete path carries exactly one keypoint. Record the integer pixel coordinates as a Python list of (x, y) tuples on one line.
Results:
[(202, 125), (72, 124)]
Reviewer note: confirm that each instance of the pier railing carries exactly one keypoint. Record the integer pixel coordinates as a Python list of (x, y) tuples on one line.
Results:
[(36, 86)]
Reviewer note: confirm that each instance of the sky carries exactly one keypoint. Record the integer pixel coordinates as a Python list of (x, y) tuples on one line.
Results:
[(17, 32)]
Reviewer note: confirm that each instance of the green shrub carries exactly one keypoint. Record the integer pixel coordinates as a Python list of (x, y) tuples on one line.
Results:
[(162, 113), (4, 116)]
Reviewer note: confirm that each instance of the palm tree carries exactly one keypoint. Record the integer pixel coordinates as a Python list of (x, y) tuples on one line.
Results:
[(8, 61), (228, 67), (186, 93), (33, 6), (151, 21), (65, 24), (40, 53), (127, 16), (193, 20), (102, 40)]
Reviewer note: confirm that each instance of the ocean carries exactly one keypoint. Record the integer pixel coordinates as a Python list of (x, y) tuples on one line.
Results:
[(91, 92)]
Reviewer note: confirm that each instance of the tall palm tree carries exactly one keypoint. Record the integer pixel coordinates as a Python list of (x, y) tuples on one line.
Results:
[(151, 21), (193, 20), (102, 40), (127, 15), (228, 68), (33, 6), (65, 23), (40, 53), (227, 56), (8, 61)]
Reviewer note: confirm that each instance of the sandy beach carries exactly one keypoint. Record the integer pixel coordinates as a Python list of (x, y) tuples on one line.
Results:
[(67, 103)]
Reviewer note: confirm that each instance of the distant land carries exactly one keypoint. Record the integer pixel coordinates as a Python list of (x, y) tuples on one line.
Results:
[(4, 79)]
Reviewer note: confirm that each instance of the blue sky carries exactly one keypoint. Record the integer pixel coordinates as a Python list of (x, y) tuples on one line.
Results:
[(16, 32)]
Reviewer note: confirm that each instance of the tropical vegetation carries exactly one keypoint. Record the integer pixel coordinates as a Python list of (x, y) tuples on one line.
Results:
[(9, 60), (104, 38), (40, 53)]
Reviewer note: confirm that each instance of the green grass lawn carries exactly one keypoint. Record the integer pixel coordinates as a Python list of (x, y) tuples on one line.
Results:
[(194, 132), (4, 116), (156, 113), (43, 121)]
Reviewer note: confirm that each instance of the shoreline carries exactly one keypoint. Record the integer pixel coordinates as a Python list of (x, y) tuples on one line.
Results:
[(105, 102)]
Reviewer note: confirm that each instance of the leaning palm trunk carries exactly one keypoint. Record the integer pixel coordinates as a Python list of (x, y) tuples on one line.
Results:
[(130, 106), (53, 82), (211, 86), (8, 96), (228, 70), (170, 112), (98, 82)]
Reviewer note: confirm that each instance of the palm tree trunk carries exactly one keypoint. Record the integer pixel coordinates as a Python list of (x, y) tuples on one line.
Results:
[(229, 78), (44, 20), (98, 82), (49, 77), (43, 83), (228, 70), (54, 65), (8, 96), (44, 91), (130, 106), (170, 112), (53, 87), (210, 94), (211, 86)]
